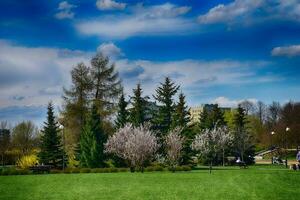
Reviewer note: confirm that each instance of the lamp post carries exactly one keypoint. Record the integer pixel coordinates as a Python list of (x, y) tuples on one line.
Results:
[(286, 146), (272, 133), (63, 141)]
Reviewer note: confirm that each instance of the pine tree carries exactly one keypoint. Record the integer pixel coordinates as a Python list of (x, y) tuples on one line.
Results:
[(106, 84), (181, 116), (164, 95), (92, 142), (139, 106), (123, 114), (217, 117), (51, 147)]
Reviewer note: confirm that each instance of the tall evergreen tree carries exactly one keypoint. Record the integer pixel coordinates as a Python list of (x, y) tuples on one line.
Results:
[(139, 106), (106, 84), (164, 95), (92, 142), (76, 104), (123, 114), (181, 115), (51, 147), (4, 143), (243, 141)]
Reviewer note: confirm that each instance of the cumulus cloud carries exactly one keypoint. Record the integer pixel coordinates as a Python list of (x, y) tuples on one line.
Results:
[(34, 75), (289, 51), (110, 49), (231, 103), (110, 5), (142, 20), (192, 75), (65, 10), (249, 11)]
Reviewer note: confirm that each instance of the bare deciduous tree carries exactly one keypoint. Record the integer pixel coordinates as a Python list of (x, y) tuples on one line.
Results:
[(134, 144), (174, 144)]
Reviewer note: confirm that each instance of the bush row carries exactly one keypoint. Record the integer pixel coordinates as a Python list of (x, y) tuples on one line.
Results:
[(12, 171)]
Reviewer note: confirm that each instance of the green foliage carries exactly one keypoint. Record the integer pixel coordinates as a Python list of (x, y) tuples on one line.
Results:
[(92, 142), (123, 114), (164, 95), (138, 110), (212, 116), (181, 116), (51, 147), (106, 84), (4, 143), (76, 104)]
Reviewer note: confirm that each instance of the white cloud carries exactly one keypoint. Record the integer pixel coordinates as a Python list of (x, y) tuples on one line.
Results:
[(249, 11), (192, 75), (151, 20), (225, 13), (65, 10), (35, 73), (110, 49), (289, 51), (110, 5), (226, 102)]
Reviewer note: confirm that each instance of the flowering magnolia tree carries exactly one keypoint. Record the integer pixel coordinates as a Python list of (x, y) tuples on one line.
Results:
[(211, 142), (134, 144), (174, 145)]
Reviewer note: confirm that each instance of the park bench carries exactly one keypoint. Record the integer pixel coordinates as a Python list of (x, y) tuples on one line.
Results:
[(242, 164), (40, 168)]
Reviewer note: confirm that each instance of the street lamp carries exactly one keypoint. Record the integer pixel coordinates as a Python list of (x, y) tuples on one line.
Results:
[(287, 129), (272, 133), (61, 127)]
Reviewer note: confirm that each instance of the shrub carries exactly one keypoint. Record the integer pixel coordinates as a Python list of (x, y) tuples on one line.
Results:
[(113, 170), (27, 161), (68, 170), (149, 169), (55, 171), (97, 170), (158, 168), (75, 170), (85, 170), (186, 168), (123, 169)]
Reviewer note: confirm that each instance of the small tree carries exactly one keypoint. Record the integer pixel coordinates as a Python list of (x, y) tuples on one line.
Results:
[(210, 143), (134, 144), (92, 142), (225, 140), (4, 143), (174, 146), (123, 114), (51, 147)]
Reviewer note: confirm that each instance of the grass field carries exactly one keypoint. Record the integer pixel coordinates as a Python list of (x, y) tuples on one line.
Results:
[(230, 183)]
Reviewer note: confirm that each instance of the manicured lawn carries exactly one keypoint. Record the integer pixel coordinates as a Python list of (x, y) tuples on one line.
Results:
[(231, 183)]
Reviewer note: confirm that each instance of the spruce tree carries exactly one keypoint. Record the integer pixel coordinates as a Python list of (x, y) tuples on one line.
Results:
[(139, 106), (212, 116), (51, 147), (181, 116), (164, 95), (123, 114), (92, 142)]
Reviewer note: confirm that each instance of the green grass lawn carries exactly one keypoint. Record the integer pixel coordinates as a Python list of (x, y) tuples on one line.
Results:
[(259, 182)]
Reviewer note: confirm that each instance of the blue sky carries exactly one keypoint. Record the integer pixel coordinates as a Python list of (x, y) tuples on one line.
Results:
[(218, 51)]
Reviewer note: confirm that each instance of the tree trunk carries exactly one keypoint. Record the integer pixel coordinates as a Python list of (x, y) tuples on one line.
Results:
[(223, 157), (210, 167), (2, 159)]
